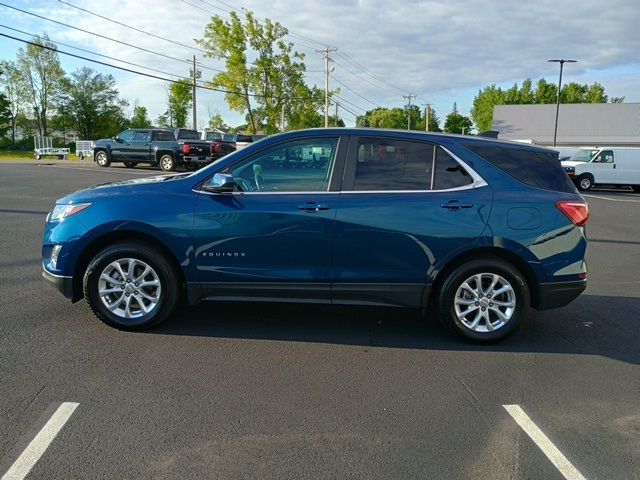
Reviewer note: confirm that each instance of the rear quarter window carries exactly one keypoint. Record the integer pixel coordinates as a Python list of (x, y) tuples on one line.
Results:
[(532, 167)]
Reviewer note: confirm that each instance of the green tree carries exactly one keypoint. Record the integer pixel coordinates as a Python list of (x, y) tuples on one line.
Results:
[(546, 92), (139, 119), (91, 104), (457, 123), (180, 102), (572, 93), (163, 120), (273, 81), (5, 115), (41, 77), (595, 94), (11, 88), (483, 103)]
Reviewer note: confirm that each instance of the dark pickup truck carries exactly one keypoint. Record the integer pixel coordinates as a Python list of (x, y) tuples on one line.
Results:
[(166, 148)]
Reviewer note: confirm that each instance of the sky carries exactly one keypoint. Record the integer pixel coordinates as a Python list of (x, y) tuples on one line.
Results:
[(441, 51)]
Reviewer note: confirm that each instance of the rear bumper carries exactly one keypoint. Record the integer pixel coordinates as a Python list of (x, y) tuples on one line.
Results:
[(61, 283), (556, 295), (197, 159)]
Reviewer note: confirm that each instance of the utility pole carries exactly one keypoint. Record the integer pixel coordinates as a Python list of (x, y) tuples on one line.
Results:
[(427, 111), (561, 61), (327, 52), (336, 118), (195, 74), (409, 98)]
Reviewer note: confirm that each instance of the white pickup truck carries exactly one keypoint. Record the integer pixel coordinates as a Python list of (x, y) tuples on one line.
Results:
[(618, 166)]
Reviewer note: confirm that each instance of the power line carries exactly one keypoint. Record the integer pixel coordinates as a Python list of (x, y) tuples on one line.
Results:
[(94, 53), (363, 69), (140, 73), (131, 27), (356, 93), (104, 36), (350, 103)]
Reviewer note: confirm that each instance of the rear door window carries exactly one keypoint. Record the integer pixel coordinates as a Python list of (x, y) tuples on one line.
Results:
[(385, 164), (530, 166)]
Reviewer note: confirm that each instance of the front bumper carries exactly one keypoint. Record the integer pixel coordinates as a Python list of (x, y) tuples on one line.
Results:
[(61, 283), (559, 294)]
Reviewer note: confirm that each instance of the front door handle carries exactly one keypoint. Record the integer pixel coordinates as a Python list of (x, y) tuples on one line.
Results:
[(456, 205), (313, 206)]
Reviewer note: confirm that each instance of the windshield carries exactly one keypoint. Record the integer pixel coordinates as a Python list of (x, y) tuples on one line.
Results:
[(583, 156), (188, 135)]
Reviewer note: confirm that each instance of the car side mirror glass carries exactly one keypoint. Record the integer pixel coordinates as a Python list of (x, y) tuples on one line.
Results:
[(220, 183), (118, 139)]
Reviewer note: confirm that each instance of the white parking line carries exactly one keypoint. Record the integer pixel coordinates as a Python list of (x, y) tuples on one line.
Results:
[(41, 441), (148, 173), (563, 465), (612, 199)]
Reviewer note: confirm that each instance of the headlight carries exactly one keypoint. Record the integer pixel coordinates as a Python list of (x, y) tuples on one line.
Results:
[(60, 212)]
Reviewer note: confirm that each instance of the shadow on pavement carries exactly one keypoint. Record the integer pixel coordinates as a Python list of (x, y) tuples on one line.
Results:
[(592, 325)]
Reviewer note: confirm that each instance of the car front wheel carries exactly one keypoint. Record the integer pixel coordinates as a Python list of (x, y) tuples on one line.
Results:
[(131, 286), (585, 182), (483, 300), (129, 164), (102, 159)]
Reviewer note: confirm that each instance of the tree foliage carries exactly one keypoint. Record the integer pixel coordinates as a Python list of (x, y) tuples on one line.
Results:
[(5, 115), (544, 93), (91, 104), (139, 119), (272, 82), (41, 76), (11, 89), (179, 102), (456, 122), (381, 117)]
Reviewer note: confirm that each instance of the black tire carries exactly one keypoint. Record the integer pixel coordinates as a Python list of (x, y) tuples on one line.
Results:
[(102, 159), (445, 297), (585, 182), (130, 164), (169, 289), (635, 188), (167, 163)]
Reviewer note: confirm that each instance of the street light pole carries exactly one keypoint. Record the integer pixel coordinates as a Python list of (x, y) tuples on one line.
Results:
[(561, 61)]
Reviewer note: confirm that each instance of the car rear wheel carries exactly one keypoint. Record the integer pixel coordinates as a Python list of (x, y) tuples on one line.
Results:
[(483, 300), (102, 159), (167, 163), (585, 182), (131, 286), (635, 188), (129, 164)]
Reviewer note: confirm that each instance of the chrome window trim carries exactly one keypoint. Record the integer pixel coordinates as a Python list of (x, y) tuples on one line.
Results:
[(478, 182)]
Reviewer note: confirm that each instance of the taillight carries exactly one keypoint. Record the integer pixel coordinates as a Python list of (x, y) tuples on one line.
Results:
[(186, 148), (216, 146), (577, 212)]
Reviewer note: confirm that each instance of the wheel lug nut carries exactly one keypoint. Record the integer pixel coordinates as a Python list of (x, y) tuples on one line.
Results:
[(137, 284), (127, 294), (483, 309), (136, 292), (491, 304), (477, 303)]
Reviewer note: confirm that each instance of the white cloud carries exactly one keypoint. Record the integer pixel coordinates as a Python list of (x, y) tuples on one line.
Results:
[(443, 51)]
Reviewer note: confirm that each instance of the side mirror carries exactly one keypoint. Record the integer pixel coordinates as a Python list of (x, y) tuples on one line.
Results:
[(118, 139), (220, 183)]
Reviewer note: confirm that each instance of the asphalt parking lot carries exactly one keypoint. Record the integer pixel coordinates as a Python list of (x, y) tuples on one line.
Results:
[(280, 391)]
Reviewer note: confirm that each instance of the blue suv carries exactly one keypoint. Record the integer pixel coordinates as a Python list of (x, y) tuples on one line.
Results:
[(474, 230)]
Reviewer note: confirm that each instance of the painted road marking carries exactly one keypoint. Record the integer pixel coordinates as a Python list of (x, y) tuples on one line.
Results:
[(563, 465), (41, 442), (612, 199)]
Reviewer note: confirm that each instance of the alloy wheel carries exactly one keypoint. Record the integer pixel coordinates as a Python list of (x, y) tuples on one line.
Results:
[(485, 302)]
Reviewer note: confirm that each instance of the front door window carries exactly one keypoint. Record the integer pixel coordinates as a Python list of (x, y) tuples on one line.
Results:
[(299, 166)]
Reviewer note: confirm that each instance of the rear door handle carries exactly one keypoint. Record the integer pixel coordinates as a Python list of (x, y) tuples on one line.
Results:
[(313, 206), (456, 205)]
